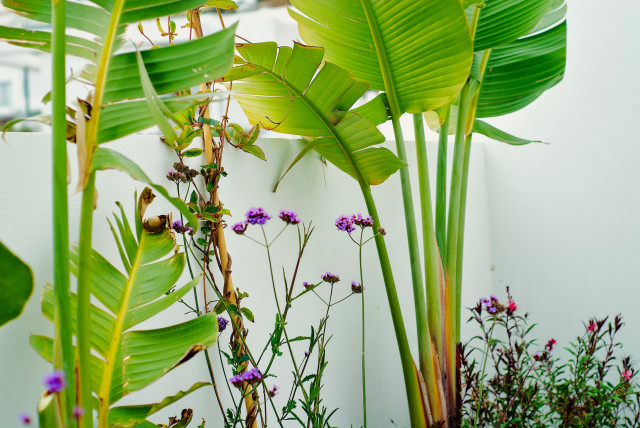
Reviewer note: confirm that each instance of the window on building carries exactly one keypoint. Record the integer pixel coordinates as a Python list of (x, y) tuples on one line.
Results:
[(5, 94)]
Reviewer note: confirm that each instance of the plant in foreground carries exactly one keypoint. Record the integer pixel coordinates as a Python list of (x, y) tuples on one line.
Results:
[(531, 386)]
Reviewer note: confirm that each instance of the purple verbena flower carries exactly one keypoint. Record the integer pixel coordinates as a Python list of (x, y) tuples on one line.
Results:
[(345, 223), (25, 419), (222, 324), (55, 381), (252, 376), (257, 216), (330, 278), (362, 221), (289, 217), (239, 228), (236, 380), (178, 227), (77, 412), (306, 285), (307, 353), (356, 287), (274, 391)]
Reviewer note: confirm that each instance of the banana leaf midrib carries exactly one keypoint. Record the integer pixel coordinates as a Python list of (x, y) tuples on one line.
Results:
[(325, 121), (105, 387)]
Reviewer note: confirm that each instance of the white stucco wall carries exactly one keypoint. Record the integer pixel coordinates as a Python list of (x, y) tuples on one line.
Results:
[(559, 223)]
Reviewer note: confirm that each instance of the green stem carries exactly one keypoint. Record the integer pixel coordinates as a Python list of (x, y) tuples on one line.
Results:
[(84, 303), (461, 220), (452, 247), (364, 374), (414, 395), (441, 183), (431, 259), (484, 366), (64, 357)]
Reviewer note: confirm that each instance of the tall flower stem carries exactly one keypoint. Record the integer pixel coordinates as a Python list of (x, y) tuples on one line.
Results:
[(484, 366), (364, 374), (64, 355)]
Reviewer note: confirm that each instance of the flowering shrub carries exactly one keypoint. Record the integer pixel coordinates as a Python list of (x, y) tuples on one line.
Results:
[(528, 385)]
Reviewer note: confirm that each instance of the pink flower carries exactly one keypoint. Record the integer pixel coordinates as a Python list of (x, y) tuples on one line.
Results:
[(78, 412), (592, 326), (511, 307), (549, 345), (627, 374)]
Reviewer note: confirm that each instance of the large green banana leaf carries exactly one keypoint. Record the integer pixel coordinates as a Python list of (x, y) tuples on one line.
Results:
[(519, 72), (418, 51), (503, 21), (131, 359), (278, 88)]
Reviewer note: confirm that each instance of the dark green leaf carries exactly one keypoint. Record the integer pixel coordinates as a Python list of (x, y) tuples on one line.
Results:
[(16, 285)]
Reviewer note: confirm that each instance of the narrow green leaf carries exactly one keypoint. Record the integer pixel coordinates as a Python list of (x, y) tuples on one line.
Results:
[(128, 415), (192, 153), (498, 135), (247, 314), (156, 106)]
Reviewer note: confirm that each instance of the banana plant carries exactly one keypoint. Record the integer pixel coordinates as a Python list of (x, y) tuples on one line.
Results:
[(116, 107), (127, 360), (455, 61)]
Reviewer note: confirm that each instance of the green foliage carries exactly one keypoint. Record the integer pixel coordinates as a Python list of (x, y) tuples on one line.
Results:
[(278, 89), (130, 359), (527, 384), (419, 52), (16, 285)]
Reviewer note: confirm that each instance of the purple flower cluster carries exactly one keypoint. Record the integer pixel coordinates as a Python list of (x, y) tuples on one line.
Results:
[(344, 223), (289, 217), (55, 381), (307, 285), (250, 376), (349, 223), (222, 324), (356, 287), (239, 228), (330, 278), (257, 216), (490, 304), (25, 419), (180, 228), (362, 221), (274, 391), (176, 176)]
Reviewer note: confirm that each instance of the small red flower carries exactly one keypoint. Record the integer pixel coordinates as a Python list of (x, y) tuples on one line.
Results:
[(549, 345), (511, 307), (592, 326)]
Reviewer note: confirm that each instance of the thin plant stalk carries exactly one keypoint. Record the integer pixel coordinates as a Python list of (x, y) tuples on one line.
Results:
[(64, 355), (441, 182), (484, 366), (364, 374)]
